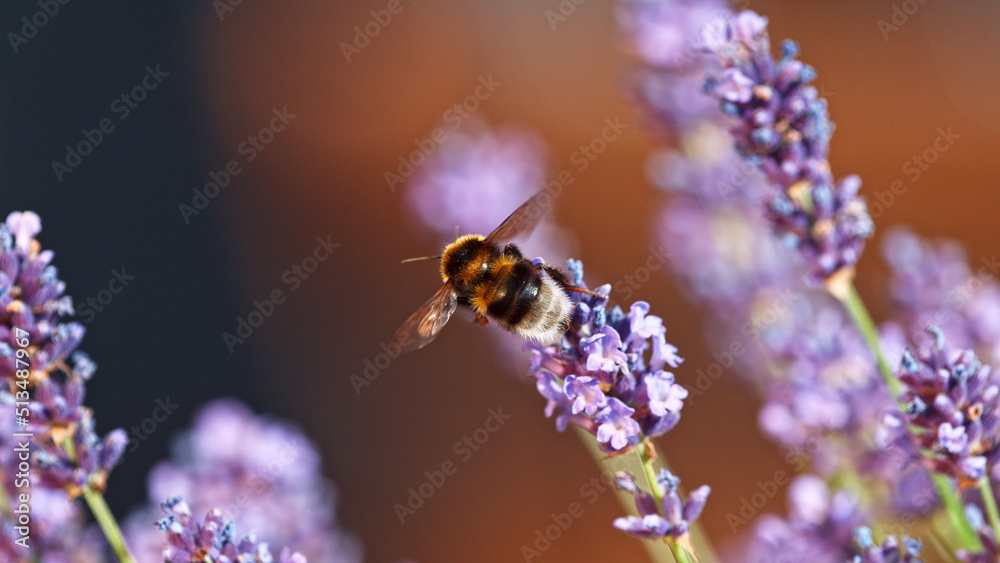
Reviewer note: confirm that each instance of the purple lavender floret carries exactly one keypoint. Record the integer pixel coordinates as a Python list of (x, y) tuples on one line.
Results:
[(781, 123), (891, 550), (672, 519), (87, 465), (212, 540), (607, 375), (952, 412)]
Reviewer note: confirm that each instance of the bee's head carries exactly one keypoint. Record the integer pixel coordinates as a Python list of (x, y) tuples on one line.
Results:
[(462, 259)]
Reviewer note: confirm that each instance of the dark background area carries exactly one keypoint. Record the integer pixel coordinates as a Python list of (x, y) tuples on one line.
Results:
[(162, 336)]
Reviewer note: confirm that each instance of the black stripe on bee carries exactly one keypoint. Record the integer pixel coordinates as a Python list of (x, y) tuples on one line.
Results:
[(516, 294)]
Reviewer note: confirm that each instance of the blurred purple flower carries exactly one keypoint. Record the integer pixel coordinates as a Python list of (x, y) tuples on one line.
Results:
[(212, 540), (260, 473), (819, 528), (891, 550), (476, 178), (933, 284), (668, 37)]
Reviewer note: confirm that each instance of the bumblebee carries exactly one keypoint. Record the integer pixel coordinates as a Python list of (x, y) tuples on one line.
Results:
[(496, 283)]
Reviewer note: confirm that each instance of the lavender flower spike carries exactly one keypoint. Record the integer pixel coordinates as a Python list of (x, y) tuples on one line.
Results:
[(607, 375), (781, 124), (953, 402), (32, 304)]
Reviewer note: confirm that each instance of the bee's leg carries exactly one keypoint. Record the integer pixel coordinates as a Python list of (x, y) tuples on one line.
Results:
[(480, 319), (513, 251), (563, 282)]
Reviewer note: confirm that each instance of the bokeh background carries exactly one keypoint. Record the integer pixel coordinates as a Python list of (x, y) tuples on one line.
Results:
[(324, 176)]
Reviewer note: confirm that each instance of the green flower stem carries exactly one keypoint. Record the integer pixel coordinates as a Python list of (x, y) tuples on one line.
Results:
[(647, 466), (102, 513), (842, 287), (109, 525), (681, 554), (5, 507), (859, 314), (653, 549), (949, 498), (990, 501)]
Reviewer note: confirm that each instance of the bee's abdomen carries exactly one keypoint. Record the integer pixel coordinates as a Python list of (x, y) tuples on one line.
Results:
[(533, 306), (513, 292)]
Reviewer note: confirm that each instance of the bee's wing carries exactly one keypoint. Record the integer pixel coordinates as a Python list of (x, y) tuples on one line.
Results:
[(523, 220), (427, 321)]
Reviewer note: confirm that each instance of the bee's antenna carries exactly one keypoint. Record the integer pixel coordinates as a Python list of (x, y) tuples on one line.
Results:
[(421, 258), (456, 232)]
